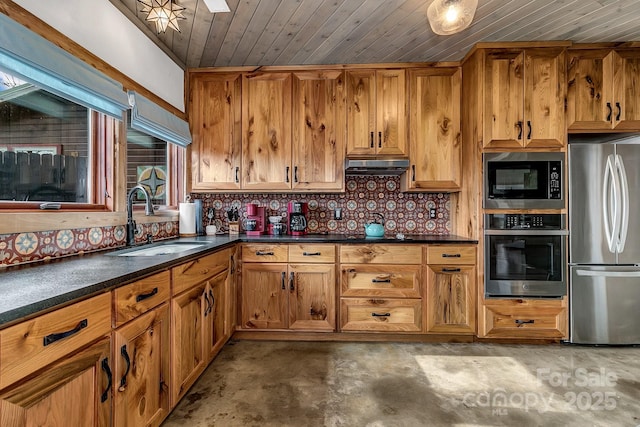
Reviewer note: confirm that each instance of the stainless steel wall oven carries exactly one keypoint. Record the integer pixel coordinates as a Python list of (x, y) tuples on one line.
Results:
[(525, 255)]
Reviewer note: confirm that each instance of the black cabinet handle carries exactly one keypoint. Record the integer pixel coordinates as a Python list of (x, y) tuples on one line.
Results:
[(125, 356), (450, 255), (284, 275), (295, 174), (450, 270), (143, 297), (380, 314), (261, 253), (413, 173), (107, 370), (519, 124), (233, 265), (291, 276), (50, 339), (213, 299), (311, 254), (610, 111), (379, 139), (619, 113), (371, 139), (237, 174), (380, 280), (207, 309), (528, 129), (523, 322), (286, 173)]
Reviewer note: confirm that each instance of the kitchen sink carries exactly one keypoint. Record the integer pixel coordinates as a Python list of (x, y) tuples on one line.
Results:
[(163, 249)]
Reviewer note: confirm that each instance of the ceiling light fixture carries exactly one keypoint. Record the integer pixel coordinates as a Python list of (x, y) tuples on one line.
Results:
[(216, 6), (165, 13), (451, 16)]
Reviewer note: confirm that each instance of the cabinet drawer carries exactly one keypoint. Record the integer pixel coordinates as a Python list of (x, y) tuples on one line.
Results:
[(524, 320), (264, 253), (193, 272), (451, 254), (400, 281), (381, 315), (134, 299), (381, 254), (312, 253), (33, 344)]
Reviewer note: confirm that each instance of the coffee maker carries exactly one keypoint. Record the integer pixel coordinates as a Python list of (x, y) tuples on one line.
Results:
[(256, 223), (297, 212)]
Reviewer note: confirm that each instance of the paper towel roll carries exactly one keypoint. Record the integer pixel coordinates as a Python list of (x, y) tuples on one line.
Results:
[(187, 223)]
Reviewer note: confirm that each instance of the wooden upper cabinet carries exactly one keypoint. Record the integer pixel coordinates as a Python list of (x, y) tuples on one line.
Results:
[(266, 126), (319, 130), (376, 113), (214, 113), (603, 91), (434, 130), (524, 95)]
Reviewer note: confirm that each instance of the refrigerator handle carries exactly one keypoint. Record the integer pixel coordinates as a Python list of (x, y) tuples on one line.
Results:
[(605, 273), (610, 204), (624, 196)]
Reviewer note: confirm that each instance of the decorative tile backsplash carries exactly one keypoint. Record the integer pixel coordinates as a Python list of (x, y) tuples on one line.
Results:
[(403, 212), (20, 248)]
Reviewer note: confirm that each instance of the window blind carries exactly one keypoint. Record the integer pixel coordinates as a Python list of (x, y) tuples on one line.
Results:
[(150, 118)]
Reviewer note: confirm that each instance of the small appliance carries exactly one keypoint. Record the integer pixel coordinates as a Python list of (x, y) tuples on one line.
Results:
[(256, 222), (297, 212), (276, 226)]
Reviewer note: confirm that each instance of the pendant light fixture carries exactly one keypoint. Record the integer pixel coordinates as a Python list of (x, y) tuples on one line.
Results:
[(165, 13), (451, 16)]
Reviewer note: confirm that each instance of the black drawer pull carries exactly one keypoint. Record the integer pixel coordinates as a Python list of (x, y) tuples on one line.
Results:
[(125, 356), (261, 253), (380, 280), (451, 270), (311, 254), (523, 322), (107, 370), (50, 339), (451, 255), (143, 297), (380, 314)]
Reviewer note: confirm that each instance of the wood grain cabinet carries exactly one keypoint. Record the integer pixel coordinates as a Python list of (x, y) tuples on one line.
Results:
[(376, 123), (215, 117), (524, 97), (434, 130), (56, 368), (288, 287), (451, 289), (603, 89), (521, 318)]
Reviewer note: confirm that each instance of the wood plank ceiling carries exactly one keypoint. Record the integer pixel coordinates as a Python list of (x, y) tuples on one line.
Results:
[(295, 32)]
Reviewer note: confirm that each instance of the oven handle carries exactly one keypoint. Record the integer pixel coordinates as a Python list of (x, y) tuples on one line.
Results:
[(528, 232)]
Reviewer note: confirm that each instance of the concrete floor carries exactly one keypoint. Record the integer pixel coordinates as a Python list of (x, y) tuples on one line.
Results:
[(392, 384)]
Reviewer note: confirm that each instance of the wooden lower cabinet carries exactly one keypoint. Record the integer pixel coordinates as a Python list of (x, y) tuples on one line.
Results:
[(530, 319), (451, 303), (264, 296), (215, 321), (312, 297), (141, 370), (76, 390), (381, 315)]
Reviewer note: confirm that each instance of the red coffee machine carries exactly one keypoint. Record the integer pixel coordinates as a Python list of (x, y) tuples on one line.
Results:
[(256, 222), (297, 212)]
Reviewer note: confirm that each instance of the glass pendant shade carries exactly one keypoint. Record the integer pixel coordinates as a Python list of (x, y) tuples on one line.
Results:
[(165, 14), (451, 16)]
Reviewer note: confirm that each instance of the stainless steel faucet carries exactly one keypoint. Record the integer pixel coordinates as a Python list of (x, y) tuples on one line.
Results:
[(148, 210)]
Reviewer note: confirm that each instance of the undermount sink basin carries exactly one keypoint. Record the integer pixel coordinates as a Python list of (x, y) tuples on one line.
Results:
[(166, 249)]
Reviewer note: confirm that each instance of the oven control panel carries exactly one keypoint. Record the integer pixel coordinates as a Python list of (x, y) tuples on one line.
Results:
[(524, 222)]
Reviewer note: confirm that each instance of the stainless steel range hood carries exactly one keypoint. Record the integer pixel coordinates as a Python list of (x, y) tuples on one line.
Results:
[(376, 166)]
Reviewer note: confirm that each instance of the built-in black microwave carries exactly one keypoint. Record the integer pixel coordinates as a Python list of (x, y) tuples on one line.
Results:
[(523, 180)]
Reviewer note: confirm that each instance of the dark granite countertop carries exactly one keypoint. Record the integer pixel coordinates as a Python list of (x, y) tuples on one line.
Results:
[(30, 289)]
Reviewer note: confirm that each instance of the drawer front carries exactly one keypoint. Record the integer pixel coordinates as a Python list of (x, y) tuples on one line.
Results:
[(525, 322), (381, 315), (33, 344), (381, 254), (400, 281), (255, 252), (194, 272), (312, 253), (451, 254), (134, 299)]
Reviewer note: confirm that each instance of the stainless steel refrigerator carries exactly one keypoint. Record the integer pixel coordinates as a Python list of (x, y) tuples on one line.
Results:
[(604, 239)]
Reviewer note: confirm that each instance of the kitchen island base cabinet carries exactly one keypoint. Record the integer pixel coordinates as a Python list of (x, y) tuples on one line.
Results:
[(73, 391)]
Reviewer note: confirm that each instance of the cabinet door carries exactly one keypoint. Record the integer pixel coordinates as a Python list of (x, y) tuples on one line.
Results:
[(312, 296), (503, 99), (434, 130), (141, 370), (188, 357), (589, 92), (232, 292), (544, 97), (214, 113), (319, 130), (264, 296), (266, 124), (626, 87), (451, 299), (361, 112), (391, 132), (73, 391), (214, 314)]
